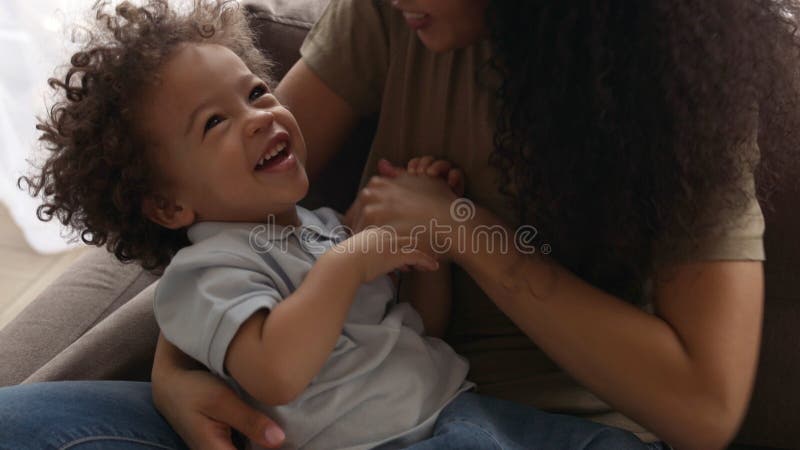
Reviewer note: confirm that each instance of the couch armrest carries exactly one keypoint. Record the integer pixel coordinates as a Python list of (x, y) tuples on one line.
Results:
[(93, 287)]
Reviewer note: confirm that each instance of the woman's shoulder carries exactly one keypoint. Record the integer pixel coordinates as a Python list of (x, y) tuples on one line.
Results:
[(351, 21), (350, 49)]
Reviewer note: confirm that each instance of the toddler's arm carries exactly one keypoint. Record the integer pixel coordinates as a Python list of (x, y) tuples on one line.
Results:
[(275, 355)]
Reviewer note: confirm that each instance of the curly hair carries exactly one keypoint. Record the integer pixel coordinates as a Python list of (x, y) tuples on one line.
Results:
[(97, 172), (622, 124)]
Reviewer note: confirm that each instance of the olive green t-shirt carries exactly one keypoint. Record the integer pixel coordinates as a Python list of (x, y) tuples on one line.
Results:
[(442, 105)]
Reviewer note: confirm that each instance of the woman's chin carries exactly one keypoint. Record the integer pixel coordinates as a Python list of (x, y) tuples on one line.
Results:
[(435, 43)]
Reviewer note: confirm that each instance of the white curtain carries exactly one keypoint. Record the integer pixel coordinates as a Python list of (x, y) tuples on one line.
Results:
[(33, 41)]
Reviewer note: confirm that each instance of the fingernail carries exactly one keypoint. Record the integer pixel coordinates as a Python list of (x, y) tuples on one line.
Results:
[(274, 435)]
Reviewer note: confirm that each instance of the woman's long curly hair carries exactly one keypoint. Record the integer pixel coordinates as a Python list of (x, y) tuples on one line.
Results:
[(98, 171), (622, 123)]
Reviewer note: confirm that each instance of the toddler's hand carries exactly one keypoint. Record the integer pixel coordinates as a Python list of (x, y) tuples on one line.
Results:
[(379, 251), (438, 168), (428, 165)]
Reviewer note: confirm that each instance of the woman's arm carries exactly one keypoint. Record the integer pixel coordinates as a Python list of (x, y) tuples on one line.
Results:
[(430, 293), (201, 407), (326, 119), (685, 373)]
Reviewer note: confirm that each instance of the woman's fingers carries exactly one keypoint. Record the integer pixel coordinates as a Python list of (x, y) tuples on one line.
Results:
[(215, 436), (230, 409), (203, 409)]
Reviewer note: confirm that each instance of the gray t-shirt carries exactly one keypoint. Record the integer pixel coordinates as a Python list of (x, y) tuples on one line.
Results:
[(384, 383)]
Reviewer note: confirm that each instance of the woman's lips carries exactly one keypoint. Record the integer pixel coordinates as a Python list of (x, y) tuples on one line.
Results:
[(416, 21)]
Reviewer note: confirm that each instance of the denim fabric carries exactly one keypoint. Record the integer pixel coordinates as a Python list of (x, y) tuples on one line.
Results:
[(89, 415), (476, 422), (83, 415)]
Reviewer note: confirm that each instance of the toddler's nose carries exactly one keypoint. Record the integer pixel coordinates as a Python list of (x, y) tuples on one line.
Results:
[(259, 121)]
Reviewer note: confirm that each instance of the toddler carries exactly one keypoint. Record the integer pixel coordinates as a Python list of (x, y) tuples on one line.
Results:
[(169, 148)]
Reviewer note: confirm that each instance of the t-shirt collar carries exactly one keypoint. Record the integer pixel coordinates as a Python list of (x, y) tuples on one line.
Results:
[(311, 227)]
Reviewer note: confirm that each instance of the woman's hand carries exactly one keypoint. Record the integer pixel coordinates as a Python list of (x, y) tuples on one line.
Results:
[(432, 167), (201, 407), (409, 204)]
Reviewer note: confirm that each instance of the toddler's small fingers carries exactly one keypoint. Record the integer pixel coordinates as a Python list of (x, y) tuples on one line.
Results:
[(411, 167), (424, 162), (455, 179), (387, 169), (439, 168)]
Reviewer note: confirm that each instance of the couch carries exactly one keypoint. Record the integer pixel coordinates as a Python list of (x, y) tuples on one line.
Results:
[(38, 346)]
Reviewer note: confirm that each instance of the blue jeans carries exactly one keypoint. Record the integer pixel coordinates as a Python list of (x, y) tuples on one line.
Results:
[(83, 415), (480, 422), (87, 415)]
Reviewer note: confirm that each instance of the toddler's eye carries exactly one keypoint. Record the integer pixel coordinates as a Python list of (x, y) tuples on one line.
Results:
[(257, 92), (212, 122)]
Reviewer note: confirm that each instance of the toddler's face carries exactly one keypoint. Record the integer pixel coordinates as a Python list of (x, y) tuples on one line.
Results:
[(225, 148)]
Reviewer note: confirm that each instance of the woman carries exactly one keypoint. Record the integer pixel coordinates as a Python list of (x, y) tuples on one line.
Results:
[(628, 136), (625, 133)]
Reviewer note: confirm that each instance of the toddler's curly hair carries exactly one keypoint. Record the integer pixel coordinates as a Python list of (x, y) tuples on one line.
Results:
[(98, 172)]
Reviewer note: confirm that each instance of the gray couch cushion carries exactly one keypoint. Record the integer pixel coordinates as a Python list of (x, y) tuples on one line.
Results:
[(87, 294), (281, 26)]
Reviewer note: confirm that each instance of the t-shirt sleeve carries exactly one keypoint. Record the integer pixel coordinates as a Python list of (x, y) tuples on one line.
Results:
[(733, 235), (728, 233), (348, 48), (203, 299)]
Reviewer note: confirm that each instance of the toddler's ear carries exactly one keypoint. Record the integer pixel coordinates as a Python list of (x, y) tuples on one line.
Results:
[(166, 212)]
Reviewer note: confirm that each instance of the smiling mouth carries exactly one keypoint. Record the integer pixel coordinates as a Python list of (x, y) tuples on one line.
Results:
[(416, 21), (274, 156), (414, 15)]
